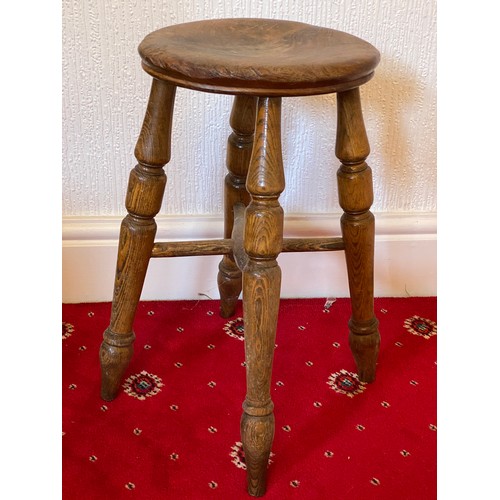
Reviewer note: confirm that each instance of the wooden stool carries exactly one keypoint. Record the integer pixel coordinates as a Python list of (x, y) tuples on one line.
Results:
[(259, 61)]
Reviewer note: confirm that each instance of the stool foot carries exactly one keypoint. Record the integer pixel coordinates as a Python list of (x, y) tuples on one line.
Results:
[(115, 354), (230, 282), (364, 338), (365, 349), (257, 435), (261, 288), (136, 242)]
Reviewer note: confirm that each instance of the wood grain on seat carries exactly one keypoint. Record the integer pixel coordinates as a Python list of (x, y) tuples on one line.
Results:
[(258, 57)]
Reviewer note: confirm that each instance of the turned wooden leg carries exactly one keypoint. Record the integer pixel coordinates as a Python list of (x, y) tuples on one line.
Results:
[(239, 149), (358, 230), (144, 196), (263, 240)]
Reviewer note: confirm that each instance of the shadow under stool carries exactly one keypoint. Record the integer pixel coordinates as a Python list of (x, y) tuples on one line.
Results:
[(258, 61)]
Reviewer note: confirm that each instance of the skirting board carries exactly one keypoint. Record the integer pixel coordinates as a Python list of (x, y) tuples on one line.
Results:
[(405, 258)]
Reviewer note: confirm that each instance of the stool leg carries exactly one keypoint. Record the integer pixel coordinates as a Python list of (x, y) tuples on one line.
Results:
[(239, 149), (358, 230), (263, 241), (144, 196)]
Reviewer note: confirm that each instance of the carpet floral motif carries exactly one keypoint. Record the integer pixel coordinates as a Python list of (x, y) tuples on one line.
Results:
[(235, 328), (421, 327), (347, 383), (67, 330), (143, 385)]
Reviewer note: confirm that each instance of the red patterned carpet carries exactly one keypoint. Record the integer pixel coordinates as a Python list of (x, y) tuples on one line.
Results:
[(173, 431)]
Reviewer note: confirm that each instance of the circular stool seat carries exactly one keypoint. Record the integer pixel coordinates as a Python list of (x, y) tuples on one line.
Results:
[(258, 57)]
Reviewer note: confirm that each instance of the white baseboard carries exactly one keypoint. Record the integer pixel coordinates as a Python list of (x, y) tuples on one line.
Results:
[(405, 258)]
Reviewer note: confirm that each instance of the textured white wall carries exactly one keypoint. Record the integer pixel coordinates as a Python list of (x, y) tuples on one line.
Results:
[(105, 93)]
